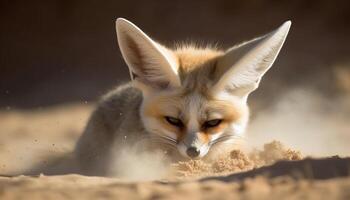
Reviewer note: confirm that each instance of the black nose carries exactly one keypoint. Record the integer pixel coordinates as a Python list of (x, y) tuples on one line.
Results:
[(192, 152)]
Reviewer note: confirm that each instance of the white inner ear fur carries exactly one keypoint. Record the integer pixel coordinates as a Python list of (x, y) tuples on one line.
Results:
[(151, 65), (240, 70)]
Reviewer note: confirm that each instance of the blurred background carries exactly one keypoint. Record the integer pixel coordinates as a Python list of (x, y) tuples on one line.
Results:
[(60, 51), (63, 52)]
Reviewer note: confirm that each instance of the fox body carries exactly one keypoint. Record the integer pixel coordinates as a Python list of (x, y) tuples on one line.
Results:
[(188, 99)]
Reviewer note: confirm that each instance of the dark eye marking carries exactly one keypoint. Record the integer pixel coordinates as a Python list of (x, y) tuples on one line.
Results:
[(174, 121), (212, 123)]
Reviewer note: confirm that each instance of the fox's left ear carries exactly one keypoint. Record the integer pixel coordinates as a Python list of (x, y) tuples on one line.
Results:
[(241, 68), (151, 66)]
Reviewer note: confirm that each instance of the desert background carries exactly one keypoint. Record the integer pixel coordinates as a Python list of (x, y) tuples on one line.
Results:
[(58, 57)]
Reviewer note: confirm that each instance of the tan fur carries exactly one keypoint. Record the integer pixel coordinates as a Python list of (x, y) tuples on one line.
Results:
[(196, 66), (191, 57)]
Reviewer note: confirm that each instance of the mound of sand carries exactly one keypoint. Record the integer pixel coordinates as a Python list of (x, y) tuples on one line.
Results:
[(236, 161)]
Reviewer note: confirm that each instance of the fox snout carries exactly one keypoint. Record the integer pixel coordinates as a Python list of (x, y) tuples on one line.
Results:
[(193, 146)]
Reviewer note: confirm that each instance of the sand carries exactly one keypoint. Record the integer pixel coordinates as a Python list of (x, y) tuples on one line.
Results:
[(271, 172), (236, 161), (80, 187)]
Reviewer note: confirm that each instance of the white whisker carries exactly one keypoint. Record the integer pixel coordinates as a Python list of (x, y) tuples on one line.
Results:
[(225, 139)]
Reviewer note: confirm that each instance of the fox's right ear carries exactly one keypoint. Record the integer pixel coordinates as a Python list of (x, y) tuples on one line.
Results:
[(151, 65), (241, 68)]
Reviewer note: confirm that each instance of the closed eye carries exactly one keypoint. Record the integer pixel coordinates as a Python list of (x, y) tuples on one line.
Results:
[(212, 123), (174, 121)]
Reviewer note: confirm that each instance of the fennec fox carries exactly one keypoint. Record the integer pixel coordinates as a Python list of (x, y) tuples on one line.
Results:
[(187, 99)]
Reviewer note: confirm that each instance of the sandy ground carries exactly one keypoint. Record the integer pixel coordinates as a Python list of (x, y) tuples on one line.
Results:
[(27, 138), (80, 187)]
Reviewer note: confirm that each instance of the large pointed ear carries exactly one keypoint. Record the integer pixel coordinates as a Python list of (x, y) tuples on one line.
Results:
[(241, 68), (151, 65)]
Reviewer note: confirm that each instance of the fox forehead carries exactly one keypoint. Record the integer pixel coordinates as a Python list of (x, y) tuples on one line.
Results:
[(196, 66), (191, 57)]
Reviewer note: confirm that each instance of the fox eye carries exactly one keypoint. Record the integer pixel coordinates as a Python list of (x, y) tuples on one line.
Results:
[(174, 121), (212, 123)]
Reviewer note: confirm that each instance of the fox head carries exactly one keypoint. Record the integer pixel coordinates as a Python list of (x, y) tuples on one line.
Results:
[(195, 98)]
